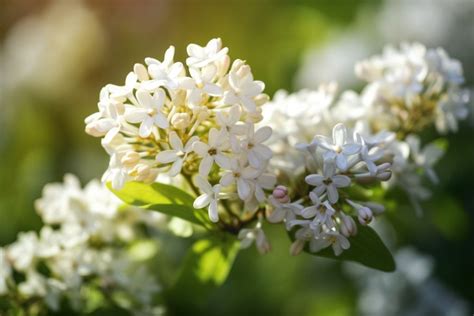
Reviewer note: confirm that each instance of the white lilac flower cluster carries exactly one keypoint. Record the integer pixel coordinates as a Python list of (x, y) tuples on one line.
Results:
[(323, 208), (196, 123), (409, 89), (412, 87), (83, 245)]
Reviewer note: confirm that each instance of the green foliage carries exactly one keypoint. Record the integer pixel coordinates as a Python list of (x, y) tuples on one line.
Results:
[(163, 198), (205, 268), (366, 248)]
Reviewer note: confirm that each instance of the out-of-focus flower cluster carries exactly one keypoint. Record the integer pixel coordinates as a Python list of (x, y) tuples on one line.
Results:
[(412, 87), (196, 122), (81, 249)]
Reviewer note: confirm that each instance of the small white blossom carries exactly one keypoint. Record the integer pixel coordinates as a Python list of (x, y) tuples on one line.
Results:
[(177, 154), (202, 56), (338, 242), (212, 152), (209, 197), (248, 235), (149, 113), (328, 182), (339, 147)]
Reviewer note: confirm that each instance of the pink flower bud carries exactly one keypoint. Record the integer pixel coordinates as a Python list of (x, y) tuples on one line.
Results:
[(280, 193)]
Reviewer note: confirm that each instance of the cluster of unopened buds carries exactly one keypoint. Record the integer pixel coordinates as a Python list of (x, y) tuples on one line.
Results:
[(321, 209)]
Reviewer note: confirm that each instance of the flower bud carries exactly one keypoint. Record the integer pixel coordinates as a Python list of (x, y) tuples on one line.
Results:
[(263, 246), (130, 159), (348, 226), (384, 176), (141, 172), (365, 215), (297, 246), (280, 193), (181, 120)]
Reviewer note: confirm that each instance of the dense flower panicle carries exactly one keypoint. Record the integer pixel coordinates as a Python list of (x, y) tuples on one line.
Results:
[(174, 119), (82, 244), (324, 216)]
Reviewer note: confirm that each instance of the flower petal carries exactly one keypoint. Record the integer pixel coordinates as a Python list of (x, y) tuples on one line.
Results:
[(314, 179), (146, 127), (351, 149), (167, 156), (202, 201), (175, 141), (341, 181), (262, 134), (206, 165), (176, 167), (333, 195), (339, 134), (213, 211)]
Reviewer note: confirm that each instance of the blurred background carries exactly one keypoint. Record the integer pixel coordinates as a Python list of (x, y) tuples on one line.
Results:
[(56, 55)]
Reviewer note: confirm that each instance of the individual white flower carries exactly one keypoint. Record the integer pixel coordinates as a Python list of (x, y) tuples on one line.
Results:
[(116, 173), (242, 176), (328, 182), (370, 155), (177, 154), (322, 212), (338, 242), (203, 56), (227, 121), (302, 235), (257, 153), (212, 152), (163, 74), (265, 181), (209, 197), (202, 85), (339, 147), (248, 235), (244, 89), (107, 121), (148, 113), (283, 211)]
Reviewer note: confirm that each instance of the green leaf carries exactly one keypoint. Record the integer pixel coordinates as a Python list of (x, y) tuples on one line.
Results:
[(163, 198), (205, 268), (366, 248)]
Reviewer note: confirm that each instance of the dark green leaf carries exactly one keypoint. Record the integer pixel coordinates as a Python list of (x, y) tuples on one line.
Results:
[(366, 248), (163, 198)]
